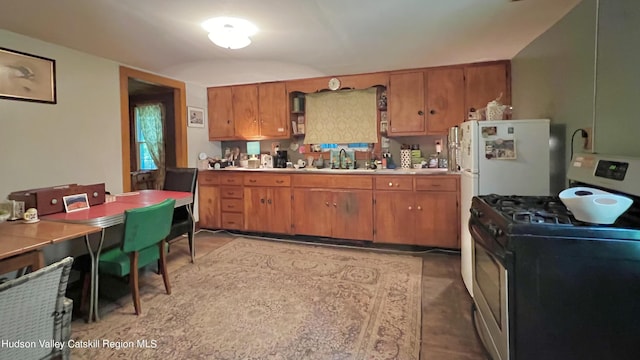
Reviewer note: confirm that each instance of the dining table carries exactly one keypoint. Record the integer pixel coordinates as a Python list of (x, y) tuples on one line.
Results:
[(111, 213)]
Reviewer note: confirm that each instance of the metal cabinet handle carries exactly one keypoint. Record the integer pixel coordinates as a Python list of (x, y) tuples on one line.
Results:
[(54, 201), (279, 181), (269, 201), (252, 180), (95, 194), (420, 112), (261, 201), (335, 205), (419, 207), (410, 208), (390, 184), (326, 203)]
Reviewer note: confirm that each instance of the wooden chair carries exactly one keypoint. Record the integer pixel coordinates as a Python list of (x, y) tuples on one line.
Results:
[(143, 242), (33, 307), (182, 179)]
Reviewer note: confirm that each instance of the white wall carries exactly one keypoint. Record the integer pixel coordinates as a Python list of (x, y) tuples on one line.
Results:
[(76, 140)]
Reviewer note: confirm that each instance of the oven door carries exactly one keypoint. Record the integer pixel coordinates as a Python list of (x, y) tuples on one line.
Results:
[(490, 289)]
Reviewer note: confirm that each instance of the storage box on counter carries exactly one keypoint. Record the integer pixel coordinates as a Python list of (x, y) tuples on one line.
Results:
[(48, 200)]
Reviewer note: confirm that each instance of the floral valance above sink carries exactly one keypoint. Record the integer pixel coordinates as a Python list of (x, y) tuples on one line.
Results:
[(342, 117)]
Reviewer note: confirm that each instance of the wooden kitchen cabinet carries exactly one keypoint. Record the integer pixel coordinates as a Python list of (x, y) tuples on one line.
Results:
[(405, 104), (333, 206), (267, 203), (273, 108), (231, 201), (245, 111), (485, 82), (208, 200), (445, 99), (220, 113), (425, 215)]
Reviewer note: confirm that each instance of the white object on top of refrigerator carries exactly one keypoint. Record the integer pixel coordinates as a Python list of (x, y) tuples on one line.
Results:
[(506, 157)]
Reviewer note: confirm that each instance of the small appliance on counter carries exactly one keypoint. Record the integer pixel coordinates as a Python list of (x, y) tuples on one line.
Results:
[(266, 161), (280, 160)]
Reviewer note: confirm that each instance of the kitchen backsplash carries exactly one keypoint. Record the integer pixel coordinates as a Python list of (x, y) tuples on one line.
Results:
[(427, 146)]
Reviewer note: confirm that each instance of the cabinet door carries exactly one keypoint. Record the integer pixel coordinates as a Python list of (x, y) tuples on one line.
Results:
[(274, 122), (220, 111), (353, 216), (279, 207), (256, 212), (437, 219), (312, 212), (484, 83), (245, 111), (445, 99), (405, 104), (394, 217), (209, 207)]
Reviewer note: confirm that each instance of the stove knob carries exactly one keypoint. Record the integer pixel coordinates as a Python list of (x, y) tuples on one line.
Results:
[(495, 231), (476, 212)]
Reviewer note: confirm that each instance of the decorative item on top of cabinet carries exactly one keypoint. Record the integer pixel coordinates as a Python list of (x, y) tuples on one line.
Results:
[(406, 104)]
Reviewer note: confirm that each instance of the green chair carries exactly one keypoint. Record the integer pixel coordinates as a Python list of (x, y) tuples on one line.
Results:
[(143, 242)]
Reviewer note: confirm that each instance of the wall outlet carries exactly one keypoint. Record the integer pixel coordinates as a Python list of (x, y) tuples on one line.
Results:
[(588, 141)]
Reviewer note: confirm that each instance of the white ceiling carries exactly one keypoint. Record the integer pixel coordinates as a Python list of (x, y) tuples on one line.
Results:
[(296, 38)]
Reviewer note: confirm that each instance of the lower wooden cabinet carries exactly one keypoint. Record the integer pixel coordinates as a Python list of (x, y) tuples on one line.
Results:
[(209, 200), (344, 214), (426, 216), (405, 209), (267, 209)]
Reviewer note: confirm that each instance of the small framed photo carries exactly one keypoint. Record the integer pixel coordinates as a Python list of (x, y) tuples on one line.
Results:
[(75, 202), (27, 77), (195, 117)]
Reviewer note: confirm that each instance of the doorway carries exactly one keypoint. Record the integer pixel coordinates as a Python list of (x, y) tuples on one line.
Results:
[(179, 131)]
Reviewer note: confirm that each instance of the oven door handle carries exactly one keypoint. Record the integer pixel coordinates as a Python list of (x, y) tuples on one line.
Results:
[(479, 235)]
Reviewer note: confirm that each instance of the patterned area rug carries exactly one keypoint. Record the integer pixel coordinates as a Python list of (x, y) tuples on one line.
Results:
[(255, 299)]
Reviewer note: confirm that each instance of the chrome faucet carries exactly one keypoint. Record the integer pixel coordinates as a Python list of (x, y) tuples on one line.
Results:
[(342, 162)]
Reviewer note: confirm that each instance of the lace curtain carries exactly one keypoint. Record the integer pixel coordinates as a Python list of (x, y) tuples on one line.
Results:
[(151, 120)]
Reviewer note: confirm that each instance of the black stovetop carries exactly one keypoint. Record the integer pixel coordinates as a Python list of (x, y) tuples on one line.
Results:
[(547, 215)]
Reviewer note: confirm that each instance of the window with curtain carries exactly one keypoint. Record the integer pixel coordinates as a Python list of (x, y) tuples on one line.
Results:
[(149, 120)]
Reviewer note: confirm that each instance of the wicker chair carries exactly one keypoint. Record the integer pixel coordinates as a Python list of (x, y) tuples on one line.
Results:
[(33, 308)]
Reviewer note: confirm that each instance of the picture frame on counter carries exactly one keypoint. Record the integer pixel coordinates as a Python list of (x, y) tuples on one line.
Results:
[(75, 202), (27, 77), (195, 117)]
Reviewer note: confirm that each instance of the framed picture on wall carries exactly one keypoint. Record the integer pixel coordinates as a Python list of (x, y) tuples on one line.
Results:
[(195, 117), (27, 77)]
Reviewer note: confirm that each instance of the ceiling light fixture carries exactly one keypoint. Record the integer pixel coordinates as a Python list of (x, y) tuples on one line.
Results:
[(229, 32)]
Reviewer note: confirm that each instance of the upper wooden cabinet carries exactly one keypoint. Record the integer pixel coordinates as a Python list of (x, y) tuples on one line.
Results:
[(245, 112), (273, 107), (405, 104), (220, 109), (485, 82), (445, 99)]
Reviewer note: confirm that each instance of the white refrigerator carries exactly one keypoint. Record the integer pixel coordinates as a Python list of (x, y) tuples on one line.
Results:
[(505, 157)]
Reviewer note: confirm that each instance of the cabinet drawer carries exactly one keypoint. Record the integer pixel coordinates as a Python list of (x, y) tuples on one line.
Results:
[(353, 182), (267, 180), (230, 179), (233, 205), (432, 183), (339, 181), (208, 178), (232, 221), (231, 192), (394, 183)]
